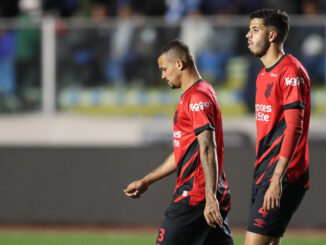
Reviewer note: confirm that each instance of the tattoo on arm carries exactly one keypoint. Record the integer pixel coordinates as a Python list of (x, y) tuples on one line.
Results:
[(281, 167), (208, 158)]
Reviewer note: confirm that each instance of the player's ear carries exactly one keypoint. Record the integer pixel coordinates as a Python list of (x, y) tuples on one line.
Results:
[(181, 65), (273, 36)]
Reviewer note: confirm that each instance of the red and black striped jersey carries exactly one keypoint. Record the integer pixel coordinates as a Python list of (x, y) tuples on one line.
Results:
[(284, 86), (198, 110)]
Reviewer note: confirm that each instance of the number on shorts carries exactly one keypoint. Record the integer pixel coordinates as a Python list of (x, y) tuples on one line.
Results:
[(161, 235), (261, 211)]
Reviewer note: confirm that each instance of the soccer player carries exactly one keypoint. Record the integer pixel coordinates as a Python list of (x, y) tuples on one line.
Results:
[(198, 212), (282, 108)]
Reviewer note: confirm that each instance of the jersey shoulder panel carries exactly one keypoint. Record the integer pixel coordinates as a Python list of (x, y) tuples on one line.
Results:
[(292, 65), (202, 107), (200, 93)]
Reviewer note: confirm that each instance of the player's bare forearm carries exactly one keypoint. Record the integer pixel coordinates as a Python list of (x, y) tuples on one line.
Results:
[(165, 169), (136, 188), (280, 169), (208, 158), (272, 199)]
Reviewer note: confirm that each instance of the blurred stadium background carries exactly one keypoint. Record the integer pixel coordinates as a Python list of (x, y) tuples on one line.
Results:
[(83, 110)]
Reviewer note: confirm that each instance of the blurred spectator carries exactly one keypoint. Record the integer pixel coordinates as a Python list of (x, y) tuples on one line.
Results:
[(212, 46), (30, 8), (99, 11), (198, 40), (313, 43), (139, 66), (8, 100), (83, 52), (28, 50), (120, 44), (7, 53), (177, 9), (309, 7)]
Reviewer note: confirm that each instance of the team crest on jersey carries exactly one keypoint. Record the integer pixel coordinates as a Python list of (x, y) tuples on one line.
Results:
[(175, 119), (269, 89)]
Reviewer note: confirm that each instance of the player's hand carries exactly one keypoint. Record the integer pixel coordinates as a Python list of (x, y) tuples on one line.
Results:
[(212, 213), (273, 196), (136, 188)]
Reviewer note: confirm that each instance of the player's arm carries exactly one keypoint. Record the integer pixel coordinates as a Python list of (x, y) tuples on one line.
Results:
[(136, 188), (208, 158), (293, 132)]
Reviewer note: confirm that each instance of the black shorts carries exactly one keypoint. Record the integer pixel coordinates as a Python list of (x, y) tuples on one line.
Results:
[(186, 225), (273, 223)]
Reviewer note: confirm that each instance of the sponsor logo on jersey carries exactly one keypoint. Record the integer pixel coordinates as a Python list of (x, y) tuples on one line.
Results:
[(263, 108), (263, 112), (269, 89), (273, 75), (176, 137), (176, 134), (199, 106), (176, 143), (294, 81)]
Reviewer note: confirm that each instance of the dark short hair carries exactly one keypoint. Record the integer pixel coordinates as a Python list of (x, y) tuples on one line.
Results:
[(178, 46), (274, 17)]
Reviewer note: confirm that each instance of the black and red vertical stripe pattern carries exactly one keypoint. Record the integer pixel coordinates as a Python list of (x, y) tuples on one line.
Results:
[(185, 179), (185, 173), (223, 194), (268, 153)]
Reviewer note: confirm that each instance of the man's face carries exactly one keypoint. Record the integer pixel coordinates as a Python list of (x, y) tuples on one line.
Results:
[(170, 72), (258, 41)]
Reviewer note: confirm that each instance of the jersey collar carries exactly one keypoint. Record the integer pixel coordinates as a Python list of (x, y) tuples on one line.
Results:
[(273, 66), (200, 80)]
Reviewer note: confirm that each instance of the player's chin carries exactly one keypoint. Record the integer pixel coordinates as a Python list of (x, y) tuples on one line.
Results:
[(257, 53), (172, 85), (252, 50)]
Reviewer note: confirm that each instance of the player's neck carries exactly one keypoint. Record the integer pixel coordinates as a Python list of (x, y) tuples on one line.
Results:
[(189, 78), (273, 54)]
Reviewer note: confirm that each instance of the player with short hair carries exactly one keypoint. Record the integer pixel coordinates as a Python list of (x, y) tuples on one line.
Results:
[(281, 175), (198, 212)]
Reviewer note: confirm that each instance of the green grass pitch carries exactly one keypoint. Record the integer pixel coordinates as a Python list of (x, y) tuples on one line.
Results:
[(116, 238)]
